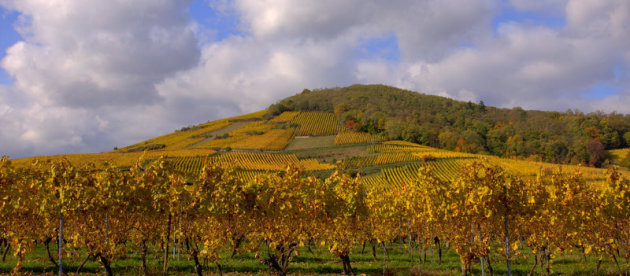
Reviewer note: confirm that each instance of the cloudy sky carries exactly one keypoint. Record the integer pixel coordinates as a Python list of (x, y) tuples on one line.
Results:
[(86, 76)]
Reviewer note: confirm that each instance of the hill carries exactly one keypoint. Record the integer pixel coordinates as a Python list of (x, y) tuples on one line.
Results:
[(383, 133), (559, 137)]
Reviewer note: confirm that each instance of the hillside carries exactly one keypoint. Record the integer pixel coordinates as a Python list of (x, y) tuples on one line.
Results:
[(381, 133), (559, 137)]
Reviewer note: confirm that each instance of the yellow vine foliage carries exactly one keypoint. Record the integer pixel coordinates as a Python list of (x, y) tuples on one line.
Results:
[(483, 209), (286, 116), (316, 123), (354, 137)]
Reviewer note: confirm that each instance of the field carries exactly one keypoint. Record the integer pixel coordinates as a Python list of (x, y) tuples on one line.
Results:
[(118, 159), (190, 137), (301, 143), (252, 153), (619, 154), (249, 161), (316, 124), (354, 137), (307, 135), (220, 133), (272, 140)]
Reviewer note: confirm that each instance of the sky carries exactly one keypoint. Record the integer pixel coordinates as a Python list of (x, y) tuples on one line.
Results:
[(87, 76)]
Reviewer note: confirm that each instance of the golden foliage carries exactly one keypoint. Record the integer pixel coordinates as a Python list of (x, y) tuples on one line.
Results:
[(316, 123), (354, 137), (286, 116)]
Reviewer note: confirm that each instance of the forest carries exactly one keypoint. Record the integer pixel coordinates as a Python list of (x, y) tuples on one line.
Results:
[(570, 137)]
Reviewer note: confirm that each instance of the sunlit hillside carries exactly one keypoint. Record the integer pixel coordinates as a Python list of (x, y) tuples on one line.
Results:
[(259, 143)]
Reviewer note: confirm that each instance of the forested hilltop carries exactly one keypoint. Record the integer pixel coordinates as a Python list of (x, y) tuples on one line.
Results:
[(559, 137)]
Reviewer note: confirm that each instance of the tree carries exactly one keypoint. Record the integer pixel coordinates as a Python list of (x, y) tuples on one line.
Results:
[(386, 213), (597, 152), (426, 205), (559, 151), (146, 221), (462, 145), (346, 221), (448, 140), (497, 138), (97, 216), (394, 129), (220, 206), (514, 146), (561, 214), (483, 202), (614, 218), (18, 223), (48, 217), (285, 213), (610, 137), (626, 138), (482, 106), (593, 132)]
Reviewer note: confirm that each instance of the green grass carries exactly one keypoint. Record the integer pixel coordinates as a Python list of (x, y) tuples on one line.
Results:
[(321, 262), (311, 142), (329, 154)]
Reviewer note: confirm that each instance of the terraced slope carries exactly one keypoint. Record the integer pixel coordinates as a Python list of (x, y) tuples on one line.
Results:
[(257, 143)]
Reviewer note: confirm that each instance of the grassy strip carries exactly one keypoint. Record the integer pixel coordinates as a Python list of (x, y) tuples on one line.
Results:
[(311, 143), (321, 262)]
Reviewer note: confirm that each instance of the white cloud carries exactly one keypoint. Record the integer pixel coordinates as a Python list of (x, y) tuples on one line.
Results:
[(97, 53), (83, 63), (546, 7), (524, 65), (425, 29), (243, 74)]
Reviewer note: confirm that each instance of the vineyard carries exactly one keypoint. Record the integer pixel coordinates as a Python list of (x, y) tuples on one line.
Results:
[(388, 147), (249, 161), (375, 180), (402, 143), (389, 153), (255, 135), (102, 160), (112, 214), (354, 137), (188, 137), (253, 128), (272, 140), (444, 169), (619, 154), (179, 139), (316, 123), (246, 189), (285, 117)]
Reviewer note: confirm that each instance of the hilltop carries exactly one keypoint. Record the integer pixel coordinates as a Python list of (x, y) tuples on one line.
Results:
[(558, 137)]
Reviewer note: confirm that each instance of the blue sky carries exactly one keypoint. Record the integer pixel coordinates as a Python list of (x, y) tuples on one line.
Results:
[(223, 21), (86, 81), (509, 13), (8, 37)]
